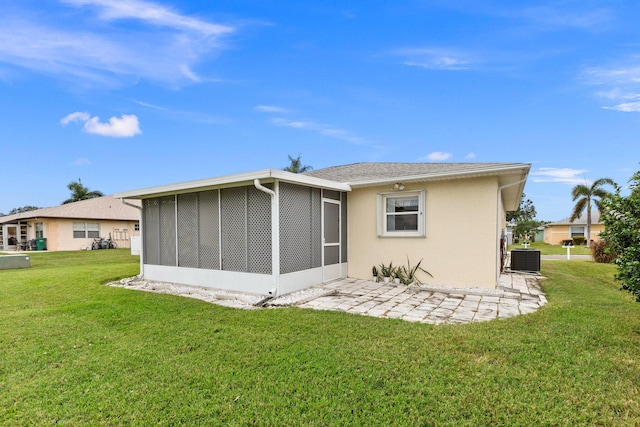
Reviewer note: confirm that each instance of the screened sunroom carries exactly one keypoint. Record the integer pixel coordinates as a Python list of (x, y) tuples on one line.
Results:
[(268, 232)]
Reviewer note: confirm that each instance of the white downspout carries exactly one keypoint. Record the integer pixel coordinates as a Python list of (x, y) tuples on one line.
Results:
[(275, 234), (124, 202), (498, 217)]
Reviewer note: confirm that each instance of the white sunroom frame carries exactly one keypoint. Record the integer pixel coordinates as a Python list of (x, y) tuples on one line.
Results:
[(273, 284)]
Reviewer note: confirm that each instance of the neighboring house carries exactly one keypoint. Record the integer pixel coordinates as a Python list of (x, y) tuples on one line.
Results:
[(539, 234), (556, 232), (272, 232), (72, 226)]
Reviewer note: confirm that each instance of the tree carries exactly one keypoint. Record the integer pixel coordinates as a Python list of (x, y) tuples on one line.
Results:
[(22, 209), (621, 216), (524, 218), (634, 185), (583, 195), (527, 229), (525, 212), (295, 165), (80, 192)]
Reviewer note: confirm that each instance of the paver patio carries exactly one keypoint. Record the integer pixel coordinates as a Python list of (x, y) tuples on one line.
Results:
[(516, 294)]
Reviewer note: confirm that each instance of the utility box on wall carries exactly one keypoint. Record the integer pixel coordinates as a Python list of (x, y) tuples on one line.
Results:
[(525, 260)]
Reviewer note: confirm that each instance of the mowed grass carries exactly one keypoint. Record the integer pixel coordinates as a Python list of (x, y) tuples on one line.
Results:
[(76, 352), (547, 249)]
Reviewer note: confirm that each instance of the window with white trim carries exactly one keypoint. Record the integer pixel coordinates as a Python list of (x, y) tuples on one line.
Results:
[(577, 231), (401, 214), (39, 230), (83, 230)]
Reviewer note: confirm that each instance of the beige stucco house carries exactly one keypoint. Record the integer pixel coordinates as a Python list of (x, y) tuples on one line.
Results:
[(272, 232), (71, 226), (556, 232)]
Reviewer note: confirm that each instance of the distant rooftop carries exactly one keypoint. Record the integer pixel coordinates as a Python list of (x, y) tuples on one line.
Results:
[(105, 208), (582, 220)]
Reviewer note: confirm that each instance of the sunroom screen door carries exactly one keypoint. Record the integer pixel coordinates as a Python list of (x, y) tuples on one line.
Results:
[(331, 256)]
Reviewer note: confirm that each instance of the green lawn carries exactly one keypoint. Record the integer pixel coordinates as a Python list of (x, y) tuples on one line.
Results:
[(547, 249), (76, 352)]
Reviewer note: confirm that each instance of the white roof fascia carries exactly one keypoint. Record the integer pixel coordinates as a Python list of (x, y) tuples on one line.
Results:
[(240, 178), (442, 176), (296, 178)]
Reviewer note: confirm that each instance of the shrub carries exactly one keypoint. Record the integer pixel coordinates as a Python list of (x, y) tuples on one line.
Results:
[(621, 216), (579, 240), (601, 252)]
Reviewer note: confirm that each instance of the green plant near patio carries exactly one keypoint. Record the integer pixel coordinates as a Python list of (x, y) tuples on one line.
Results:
[(408, 273), (387, 270), (77, 352)]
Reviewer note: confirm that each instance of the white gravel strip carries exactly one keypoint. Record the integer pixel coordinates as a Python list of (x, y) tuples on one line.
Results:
[(215, 296)]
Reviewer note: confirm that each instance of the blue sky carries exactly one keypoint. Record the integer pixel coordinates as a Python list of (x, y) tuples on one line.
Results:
[(131, 94)]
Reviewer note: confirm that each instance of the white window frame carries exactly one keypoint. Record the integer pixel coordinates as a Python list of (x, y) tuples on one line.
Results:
[(39, 230), (86, 228), (383, 214), (571, 232)]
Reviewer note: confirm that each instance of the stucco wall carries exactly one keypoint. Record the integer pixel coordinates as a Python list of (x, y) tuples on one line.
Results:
[(555, 234), (59, 233), (460, 247)]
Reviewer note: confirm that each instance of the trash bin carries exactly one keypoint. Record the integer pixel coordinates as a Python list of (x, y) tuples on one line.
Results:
[(41, 244)]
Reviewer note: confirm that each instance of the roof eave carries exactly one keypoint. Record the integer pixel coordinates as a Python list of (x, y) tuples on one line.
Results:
[(524, 168), (244, 178)]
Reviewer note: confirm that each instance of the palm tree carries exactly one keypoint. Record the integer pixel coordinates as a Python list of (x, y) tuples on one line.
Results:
[(80, 192), (584, 196), (295, 165)]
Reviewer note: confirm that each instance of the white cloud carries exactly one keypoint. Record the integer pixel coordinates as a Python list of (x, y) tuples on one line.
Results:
[(470, 156), (82, 161), (622, 85), (435, 58), (189, 74), (627, 107), (151, 13), (549, 18), (75, 117), (437, 156), (134, 40), (269, 109), (125, 126), (561, 175), (148, 105), (625, 74), (319, 128)]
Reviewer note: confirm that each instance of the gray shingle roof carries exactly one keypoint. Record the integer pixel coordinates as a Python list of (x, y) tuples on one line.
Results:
[(361, 173), (107, 208), (582, 220)]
